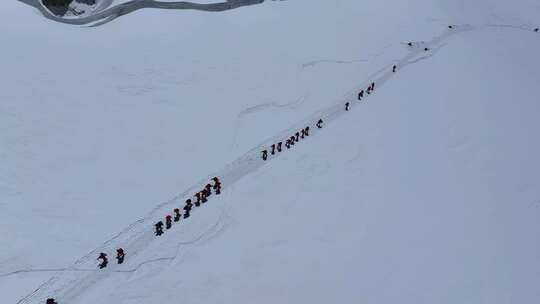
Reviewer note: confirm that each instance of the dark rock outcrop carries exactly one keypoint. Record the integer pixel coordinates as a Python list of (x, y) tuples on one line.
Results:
[(61, 7), (108, 14)]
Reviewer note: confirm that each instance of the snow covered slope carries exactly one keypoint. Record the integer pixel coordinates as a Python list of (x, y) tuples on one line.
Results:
[(427, 192)]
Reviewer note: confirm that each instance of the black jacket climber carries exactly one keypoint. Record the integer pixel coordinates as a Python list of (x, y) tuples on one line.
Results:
[(104, 260), (177, 215), (159, 228), (168, 221), (120, 255)]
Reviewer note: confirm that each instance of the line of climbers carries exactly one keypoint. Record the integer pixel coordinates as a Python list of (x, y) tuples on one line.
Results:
[(104, 260), (277, 148), (370, 89), (289, 142), (201, 198), (411, 44)]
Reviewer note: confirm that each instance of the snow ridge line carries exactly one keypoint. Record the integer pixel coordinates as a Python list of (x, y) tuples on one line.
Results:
[(70, 283)]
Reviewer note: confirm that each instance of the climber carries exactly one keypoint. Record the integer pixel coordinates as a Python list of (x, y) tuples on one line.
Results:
[(264, 155), (208, 190), (168, 221), (536, 30), (319, 124), (297, 136), (198, 195), (394, 68), (189, 205), (120, 255), (361, 95), (200, 199), (307, 130), (177, 215), (293, 140), (104, 260), (288, 143), (346, 109), (204, 195), (187, 208), (51, 301), (273, 152), (279, 146), (217, 183), (159, 228), (372, 86), (217, 188)]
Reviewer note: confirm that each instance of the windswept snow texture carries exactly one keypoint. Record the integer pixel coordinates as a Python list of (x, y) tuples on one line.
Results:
[(426, 192)]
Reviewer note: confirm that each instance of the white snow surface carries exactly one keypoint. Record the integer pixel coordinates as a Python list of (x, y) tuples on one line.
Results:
[(425, 192)]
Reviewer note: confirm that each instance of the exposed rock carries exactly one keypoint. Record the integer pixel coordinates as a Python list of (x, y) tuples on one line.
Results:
[(61, 7)]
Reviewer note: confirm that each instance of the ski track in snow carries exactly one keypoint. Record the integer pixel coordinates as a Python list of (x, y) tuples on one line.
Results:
[(212, 232), (313, 63), (269, 105), (317, 62), (263, 107), (71, 282)]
